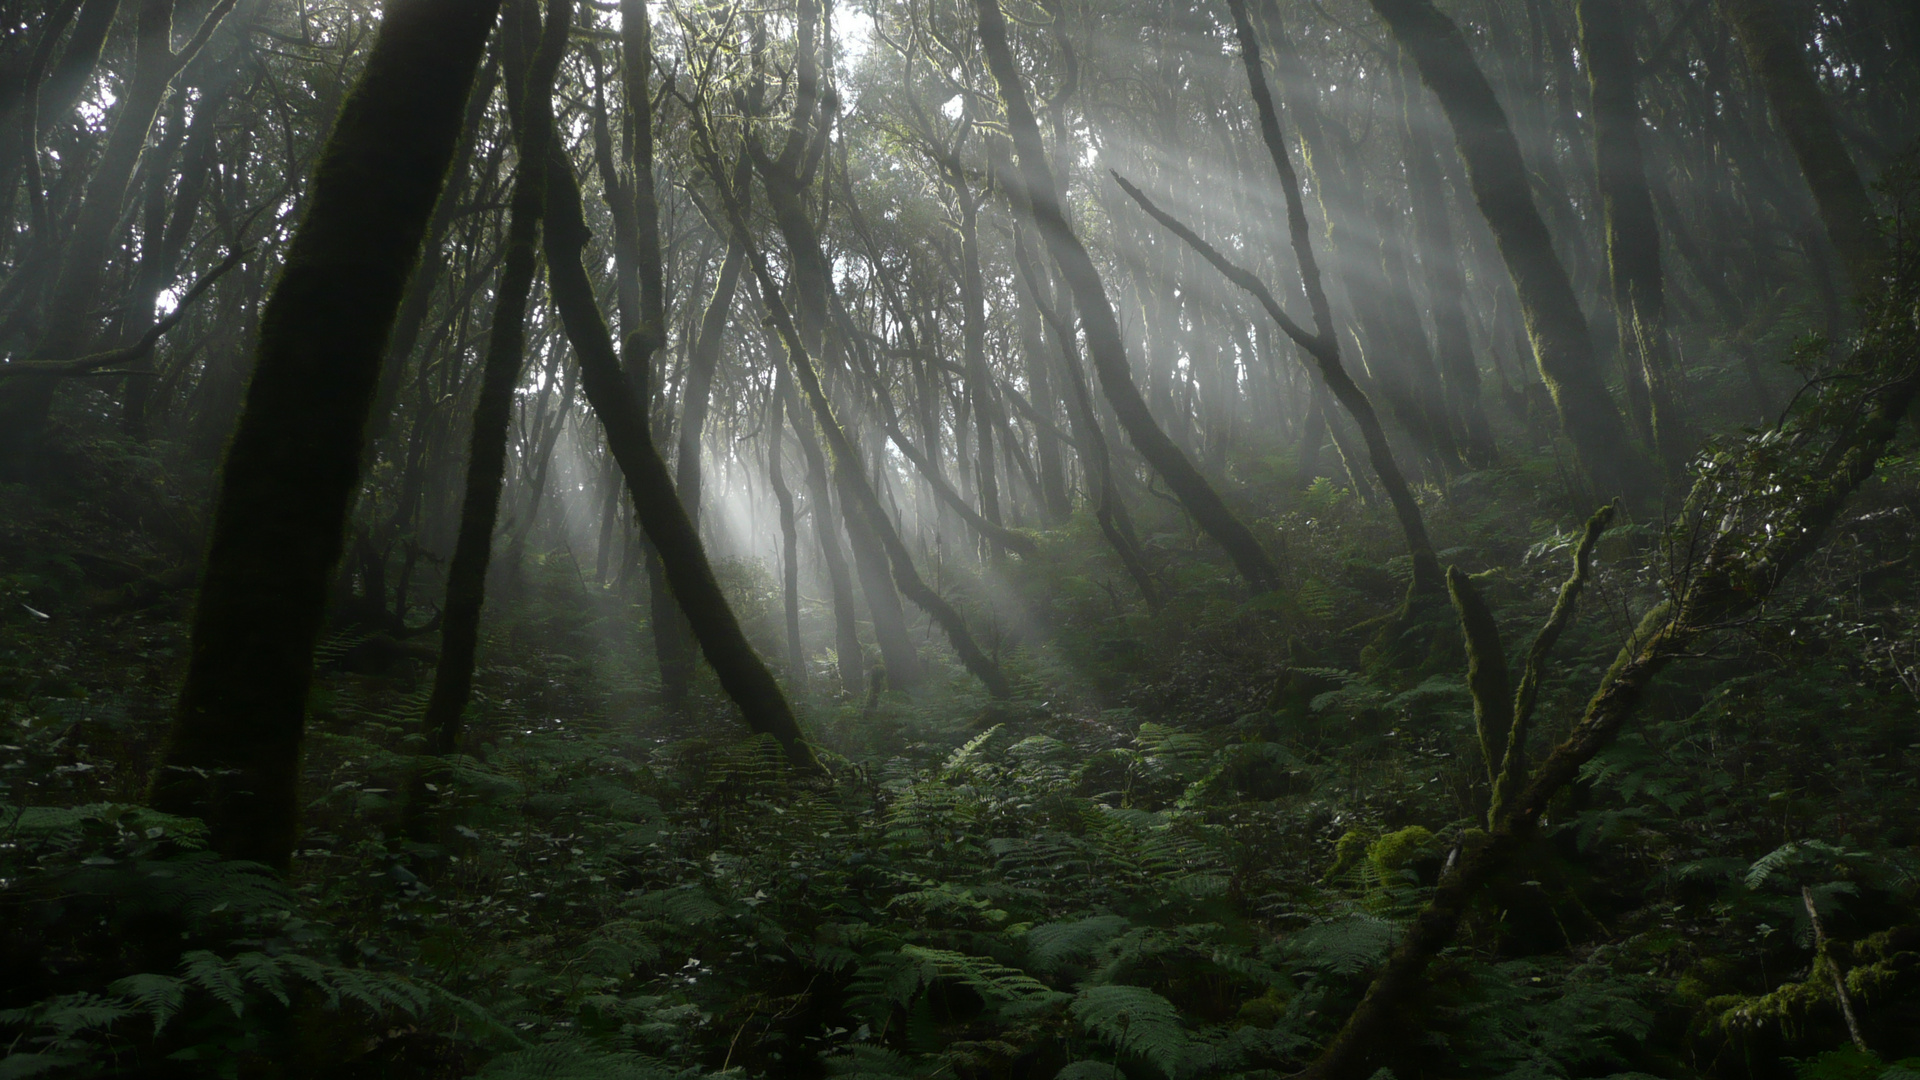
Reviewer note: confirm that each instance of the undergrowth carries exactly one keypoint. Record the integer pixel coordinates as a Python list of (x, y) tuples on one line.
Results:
[(1180, 855)]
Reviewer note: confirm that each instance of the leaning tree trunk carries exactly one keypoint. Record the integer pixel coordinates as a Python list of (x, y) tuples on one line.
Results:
[(418, 302), (811, 286), (846, 632), (170, 222), (1104, 342), (683, 560), (857, 495), (1762, 513), (281, 513), (1109, 511), (1779, 62), (1561, 346), (1049, 459), (49, 92), (1323, 345), (499, 373), (973, 333)]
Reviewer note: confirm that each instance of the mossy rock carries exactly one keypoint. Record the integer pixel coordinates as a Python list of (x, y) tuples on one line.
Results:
[(1347, 853), (1397, 851)]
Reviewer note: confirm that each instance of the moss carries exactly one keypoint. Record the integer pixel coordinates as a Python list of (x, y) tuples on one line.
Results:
[(1347, 853), (1784, 1008), (1397, 851), (1262, 1012)]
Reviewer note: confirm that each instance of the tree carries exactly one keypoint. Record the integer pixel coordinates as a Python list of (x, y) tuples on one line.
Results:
[(1558, 330), (290, 474), (1104, 343)]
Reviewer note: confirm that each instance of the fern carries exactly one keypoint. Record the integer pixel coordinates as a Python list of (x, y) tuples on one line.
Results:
[(958, 762), (1347, 946), (877, 1063), (991, 979), (337, 645), (1091, 1070), (1134, 1020), (1051, 946), (158, 996), (574, 1060)]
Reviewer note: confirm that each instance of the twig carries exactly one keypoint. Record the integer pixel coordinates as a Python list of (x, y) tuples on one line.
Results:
[(1821, 954)]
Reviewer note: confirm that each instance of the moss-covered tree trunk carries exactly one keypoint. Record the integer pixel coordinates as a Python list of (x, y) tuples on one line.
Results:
[(1050, 459), (1632, 237), (1104, 342), (1612, 463), (703, 360), (1109, 511), (293, 466), (1778, 60), (1446, 284), (826, 532), (47, 91), (857, 494), (500, 371), (1322, 346), (787, 178), (418, 302)]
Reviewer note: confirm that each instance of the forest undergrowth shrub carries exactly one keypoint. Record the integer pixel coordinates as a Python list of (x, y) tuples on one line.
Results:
[(1127, 876)]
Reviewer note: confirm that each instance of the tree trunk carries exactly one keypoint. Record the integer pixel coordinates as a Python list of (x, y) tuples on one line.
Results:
[(1748, 555), (45, 96), (742, 673), (856, 493), (69, 326), (1633, 240), (1446, 285), (1104, 343), (973, 332), (1050, 463), (1778, 61), (1109, 511), (418, 302), (1555, 324), (847, 653), (500, 372), (1323, 345), (293, 466), (786, 179), (789, 533)]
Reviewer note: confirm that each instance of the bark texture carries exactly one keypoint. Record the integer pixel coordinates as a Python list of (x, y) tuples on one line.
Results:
[(290, 474), (1556, 327)]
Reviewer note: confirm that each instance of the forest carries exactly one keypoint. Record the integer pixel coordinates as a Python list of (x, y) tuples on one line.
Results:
[(960, 539)]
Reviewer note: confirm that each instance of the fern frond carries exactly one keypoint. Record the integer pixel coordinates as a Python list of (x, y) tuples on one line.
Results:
[(990, 978), (958, 761), (1052, 945), (214, 975), (573, 1061), (1134, 1020), (159, 996), (1346, 946)]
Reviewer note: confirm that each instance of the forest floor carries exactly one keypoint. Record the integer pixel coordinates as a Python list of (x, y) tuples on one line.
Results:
[(1179, 853)]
